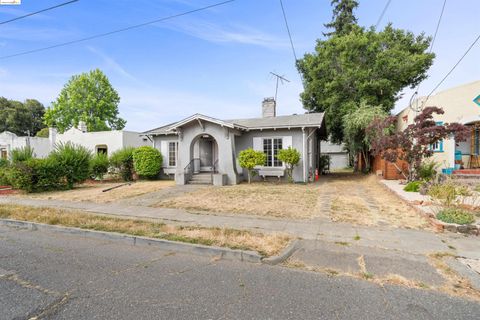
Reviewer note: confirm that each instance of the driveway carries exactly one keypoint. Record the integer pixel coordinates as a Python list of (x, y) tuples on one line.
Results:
[(58, 276)]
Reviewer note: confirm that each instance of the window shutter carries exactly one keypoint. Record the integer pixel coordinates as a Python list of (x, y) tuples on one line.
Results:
[(257, 144), (287, 142), (164, 152)]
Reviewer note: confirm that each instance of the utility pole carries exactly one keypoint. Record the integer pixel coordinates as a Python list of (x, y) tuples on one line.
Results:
[(279, 78)]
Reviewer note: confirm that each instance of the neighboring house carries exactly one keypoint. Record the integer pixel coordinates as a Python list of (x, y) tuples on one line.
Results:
[(338, 154), (461, 104), (10, 141), (97, 142), (204, 146)]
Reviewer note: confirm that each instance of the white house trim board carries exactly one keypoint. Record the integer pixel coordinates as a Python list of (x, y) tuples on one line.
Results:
[(199, 117)]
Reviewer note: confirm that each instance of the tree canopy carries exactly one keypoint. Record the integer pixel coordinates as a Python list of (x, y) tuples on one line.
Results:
[(343, 18), (87, 97), (357, 64), (21, 118), (357, 138)]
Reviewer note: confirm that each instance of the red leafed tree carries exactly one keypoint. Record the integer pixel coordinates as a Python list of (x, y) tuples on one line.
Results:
[(414, 143)]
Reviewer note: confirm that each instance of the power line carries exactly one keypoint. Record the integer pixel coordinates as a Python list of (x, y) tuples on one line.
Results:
[(438, 25), (383, 13), (101, 35), (288, 31), (453, 68), (40, 11), (430, 51)]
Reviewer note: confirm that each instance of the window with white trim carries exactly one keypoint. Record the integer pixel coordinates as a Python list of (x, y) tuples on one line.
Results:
[(172, 154), (270, 148)]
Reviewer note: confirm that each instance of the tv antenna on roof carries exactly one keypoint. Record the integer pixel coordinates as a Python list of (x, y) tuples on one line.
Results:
[(279, 78)]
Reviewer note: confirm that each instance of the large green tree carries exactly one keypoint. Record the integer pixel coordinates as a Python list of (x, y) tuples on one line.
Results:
[(343, 18), (361, 65), (357, 138), (21, 118), (87, 97)]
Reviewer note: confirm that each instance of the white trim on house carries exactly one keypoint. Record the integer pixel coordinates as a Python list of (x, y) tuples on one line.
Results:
[(199, 117)]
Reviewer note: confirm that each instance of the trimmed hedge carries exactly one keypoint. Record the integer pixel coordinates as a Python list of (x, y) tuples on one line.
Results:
[(36, 175), (147, 162)]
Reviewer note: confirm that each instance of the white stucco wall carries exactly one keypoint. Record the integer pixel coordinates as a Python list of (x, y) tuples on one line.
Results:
[(9, 141), (458, 105)]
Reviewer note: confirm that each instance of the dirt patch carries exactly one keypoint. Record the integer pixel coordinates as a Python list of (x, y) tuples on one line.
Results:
[(262, 199), (265, 244), (92, 192), (362, 200)]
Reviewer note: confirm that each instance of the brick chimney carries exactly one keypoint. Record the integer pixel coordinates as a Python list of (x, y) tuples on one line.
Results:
[(269, 107)]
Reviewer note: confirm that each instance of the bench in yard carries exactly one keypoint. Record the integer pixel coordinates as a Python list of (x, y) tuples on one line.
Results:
[(271, 173)]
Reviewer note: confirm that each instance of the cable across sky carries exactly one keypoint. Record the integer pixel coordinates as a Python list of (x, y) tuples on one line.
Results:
[(105, 34)]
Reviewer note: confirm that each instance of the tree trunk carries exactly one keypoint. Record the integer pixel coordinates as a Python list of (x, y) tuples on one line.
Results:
[(249, 176)]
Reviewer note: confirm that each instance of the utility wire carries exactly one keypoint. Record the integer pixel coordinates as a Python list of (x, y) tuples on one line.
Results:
[(383, 13), (430, 50), (105, 34), (288, 31), (37, 12), (453, 68)]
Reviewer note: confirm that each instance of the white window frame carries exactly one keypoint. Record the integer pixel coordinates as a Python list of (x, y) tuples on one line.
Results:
[(175, 143), (273, 152)]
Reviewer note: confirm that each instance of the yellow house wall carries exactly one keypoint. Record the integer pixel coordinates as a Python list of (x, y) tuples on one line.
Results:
[(458, 105)]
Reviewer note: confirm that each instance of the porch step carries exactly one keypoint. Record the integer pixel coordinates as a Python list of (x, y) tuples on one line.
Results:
[(201, 178)]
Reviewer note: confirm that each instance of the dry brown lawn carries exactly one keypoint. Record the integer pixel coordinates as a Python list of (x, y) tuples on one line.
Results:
[(362, 200), (265, 244), (92, 192), (262, 199)]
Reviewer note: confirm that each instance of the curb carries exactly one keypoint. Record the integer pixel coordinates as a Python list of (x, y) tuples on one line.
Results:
[(284, 255), (222, 253)]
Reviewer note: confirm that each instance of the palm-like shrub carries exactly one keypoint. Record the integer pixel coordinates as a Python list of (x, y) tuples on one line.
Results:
[(249, 159), (147, 161), (122, 161), (73, 161), (290, 157), (99, 166), (22, 154)]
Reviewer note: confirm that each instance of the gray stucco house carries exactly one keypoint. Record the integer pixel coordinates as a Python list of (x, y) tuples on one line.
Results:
[(202, 149)]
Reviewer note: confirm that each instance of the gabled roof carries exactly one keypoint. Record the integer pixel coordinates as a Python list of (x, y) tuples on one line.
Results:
[(292, 121), (307, 120)]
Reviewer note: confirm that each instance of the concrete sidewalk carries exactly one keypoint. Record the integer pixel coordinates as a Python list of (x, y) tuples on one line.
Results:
[(407, 240)]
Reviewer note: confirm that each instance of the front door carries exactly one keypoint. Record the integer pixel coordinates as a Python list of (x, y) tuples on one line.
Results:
[(206, 154)]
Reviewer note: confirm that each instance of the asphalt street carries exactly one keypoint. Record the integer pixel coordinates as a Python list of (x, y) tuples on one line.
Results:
[(46, 275)]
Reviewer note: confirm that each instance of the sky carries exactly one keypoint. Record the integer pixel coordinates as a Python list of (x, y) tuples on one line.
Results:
[(216, 62)]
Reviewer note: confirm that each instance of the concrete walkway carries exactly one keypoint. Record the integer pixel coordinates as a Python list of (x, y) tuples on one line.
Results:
[(406, 240)]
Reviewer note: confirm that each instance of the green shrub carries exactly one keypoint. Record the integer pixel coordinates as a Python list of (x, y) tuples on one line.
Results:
[(249, 159), (4, 163), (5, 175), (455, 215), (20, 176), (413, 186), (22, 154), (446, 193), (427, 170), (290, 157), (99, 166), (46, 175), (147, 161), (122, 161), (73, 162)]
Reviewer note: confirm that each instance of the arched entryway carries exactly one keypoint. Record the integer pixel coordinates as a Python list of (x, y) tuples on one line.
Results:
[(204, 153)]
